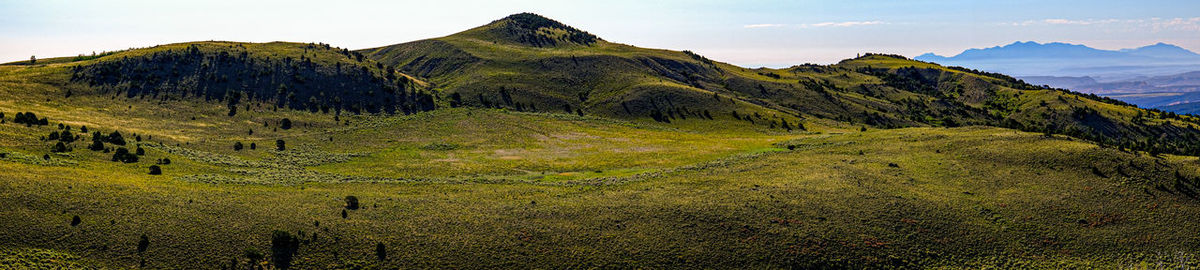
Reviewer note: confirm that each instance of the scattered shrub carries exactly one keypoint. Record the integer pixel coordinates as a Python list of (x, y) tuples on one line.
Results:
[(440, 146), (380, 251), (280, 145), (115, 138), (143, 244), (253, 255), (97, 142), (59, 148), (123, 155), (283, 247), (29, 119), (75, 221), (66, 136), (351, 202), (237, 146), (155, 170)]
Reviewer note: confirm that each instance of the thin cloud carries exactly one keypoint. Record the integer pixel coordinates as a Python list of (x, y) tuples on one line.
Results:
[(1153, 24), (1188, 24), (765, 25), (816, 25), (841, 24)]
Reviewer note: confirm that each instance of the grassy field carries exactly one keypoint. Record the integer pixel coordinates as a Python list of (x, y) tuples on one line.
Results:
[(929, 197)]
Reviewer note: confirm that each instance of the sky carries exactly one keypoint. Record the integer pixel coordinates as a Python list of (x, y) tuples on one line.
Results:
[(748, 33)]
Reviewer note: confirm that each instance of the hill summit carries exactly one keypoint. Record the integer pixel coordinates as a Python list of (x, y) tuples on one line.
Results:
[(531, 30)]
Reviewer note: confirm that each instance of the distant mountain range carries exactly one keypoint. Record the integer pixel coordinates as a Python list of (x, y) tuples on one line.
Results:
[(1059, 50), (1063, 59), (1140, 76)]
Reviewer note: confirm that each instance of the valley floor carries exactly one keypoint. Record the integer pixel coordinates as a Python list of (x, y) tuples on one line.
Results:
[(469, 188)]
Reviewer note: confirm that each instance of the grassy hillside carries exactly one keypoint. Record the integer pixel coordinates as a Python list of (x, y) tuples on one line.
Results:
[(313, 77), (526, 143), (573, 72), (1012, 103), (489, 66)]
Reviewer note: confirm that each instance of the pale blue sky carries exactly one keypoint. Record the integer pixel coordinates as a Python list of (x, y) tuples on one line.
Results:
[(748, 33)]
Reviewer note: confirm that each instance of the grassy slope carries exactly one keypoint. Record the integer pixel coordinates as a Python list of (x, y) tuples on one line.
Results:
[(1017, 105), (955, 196), (484, 67), (597, 78)]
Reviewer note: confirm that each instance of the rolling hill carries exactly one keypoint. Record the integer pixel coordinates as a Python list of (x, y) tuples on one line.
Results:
[(527, 143), (314, 77), (496, 65)]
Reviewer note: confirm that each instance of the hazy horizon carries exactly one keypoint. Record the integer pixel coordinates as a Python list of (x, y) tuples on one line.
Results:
[(745, 33)]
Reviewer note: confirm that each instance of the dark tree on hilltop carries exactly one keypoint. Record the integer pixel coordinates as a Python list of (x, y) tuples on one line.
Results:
[(285, 124), (155, 170), (237, 146), (527, 28), (280, 145), (234, 75)]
